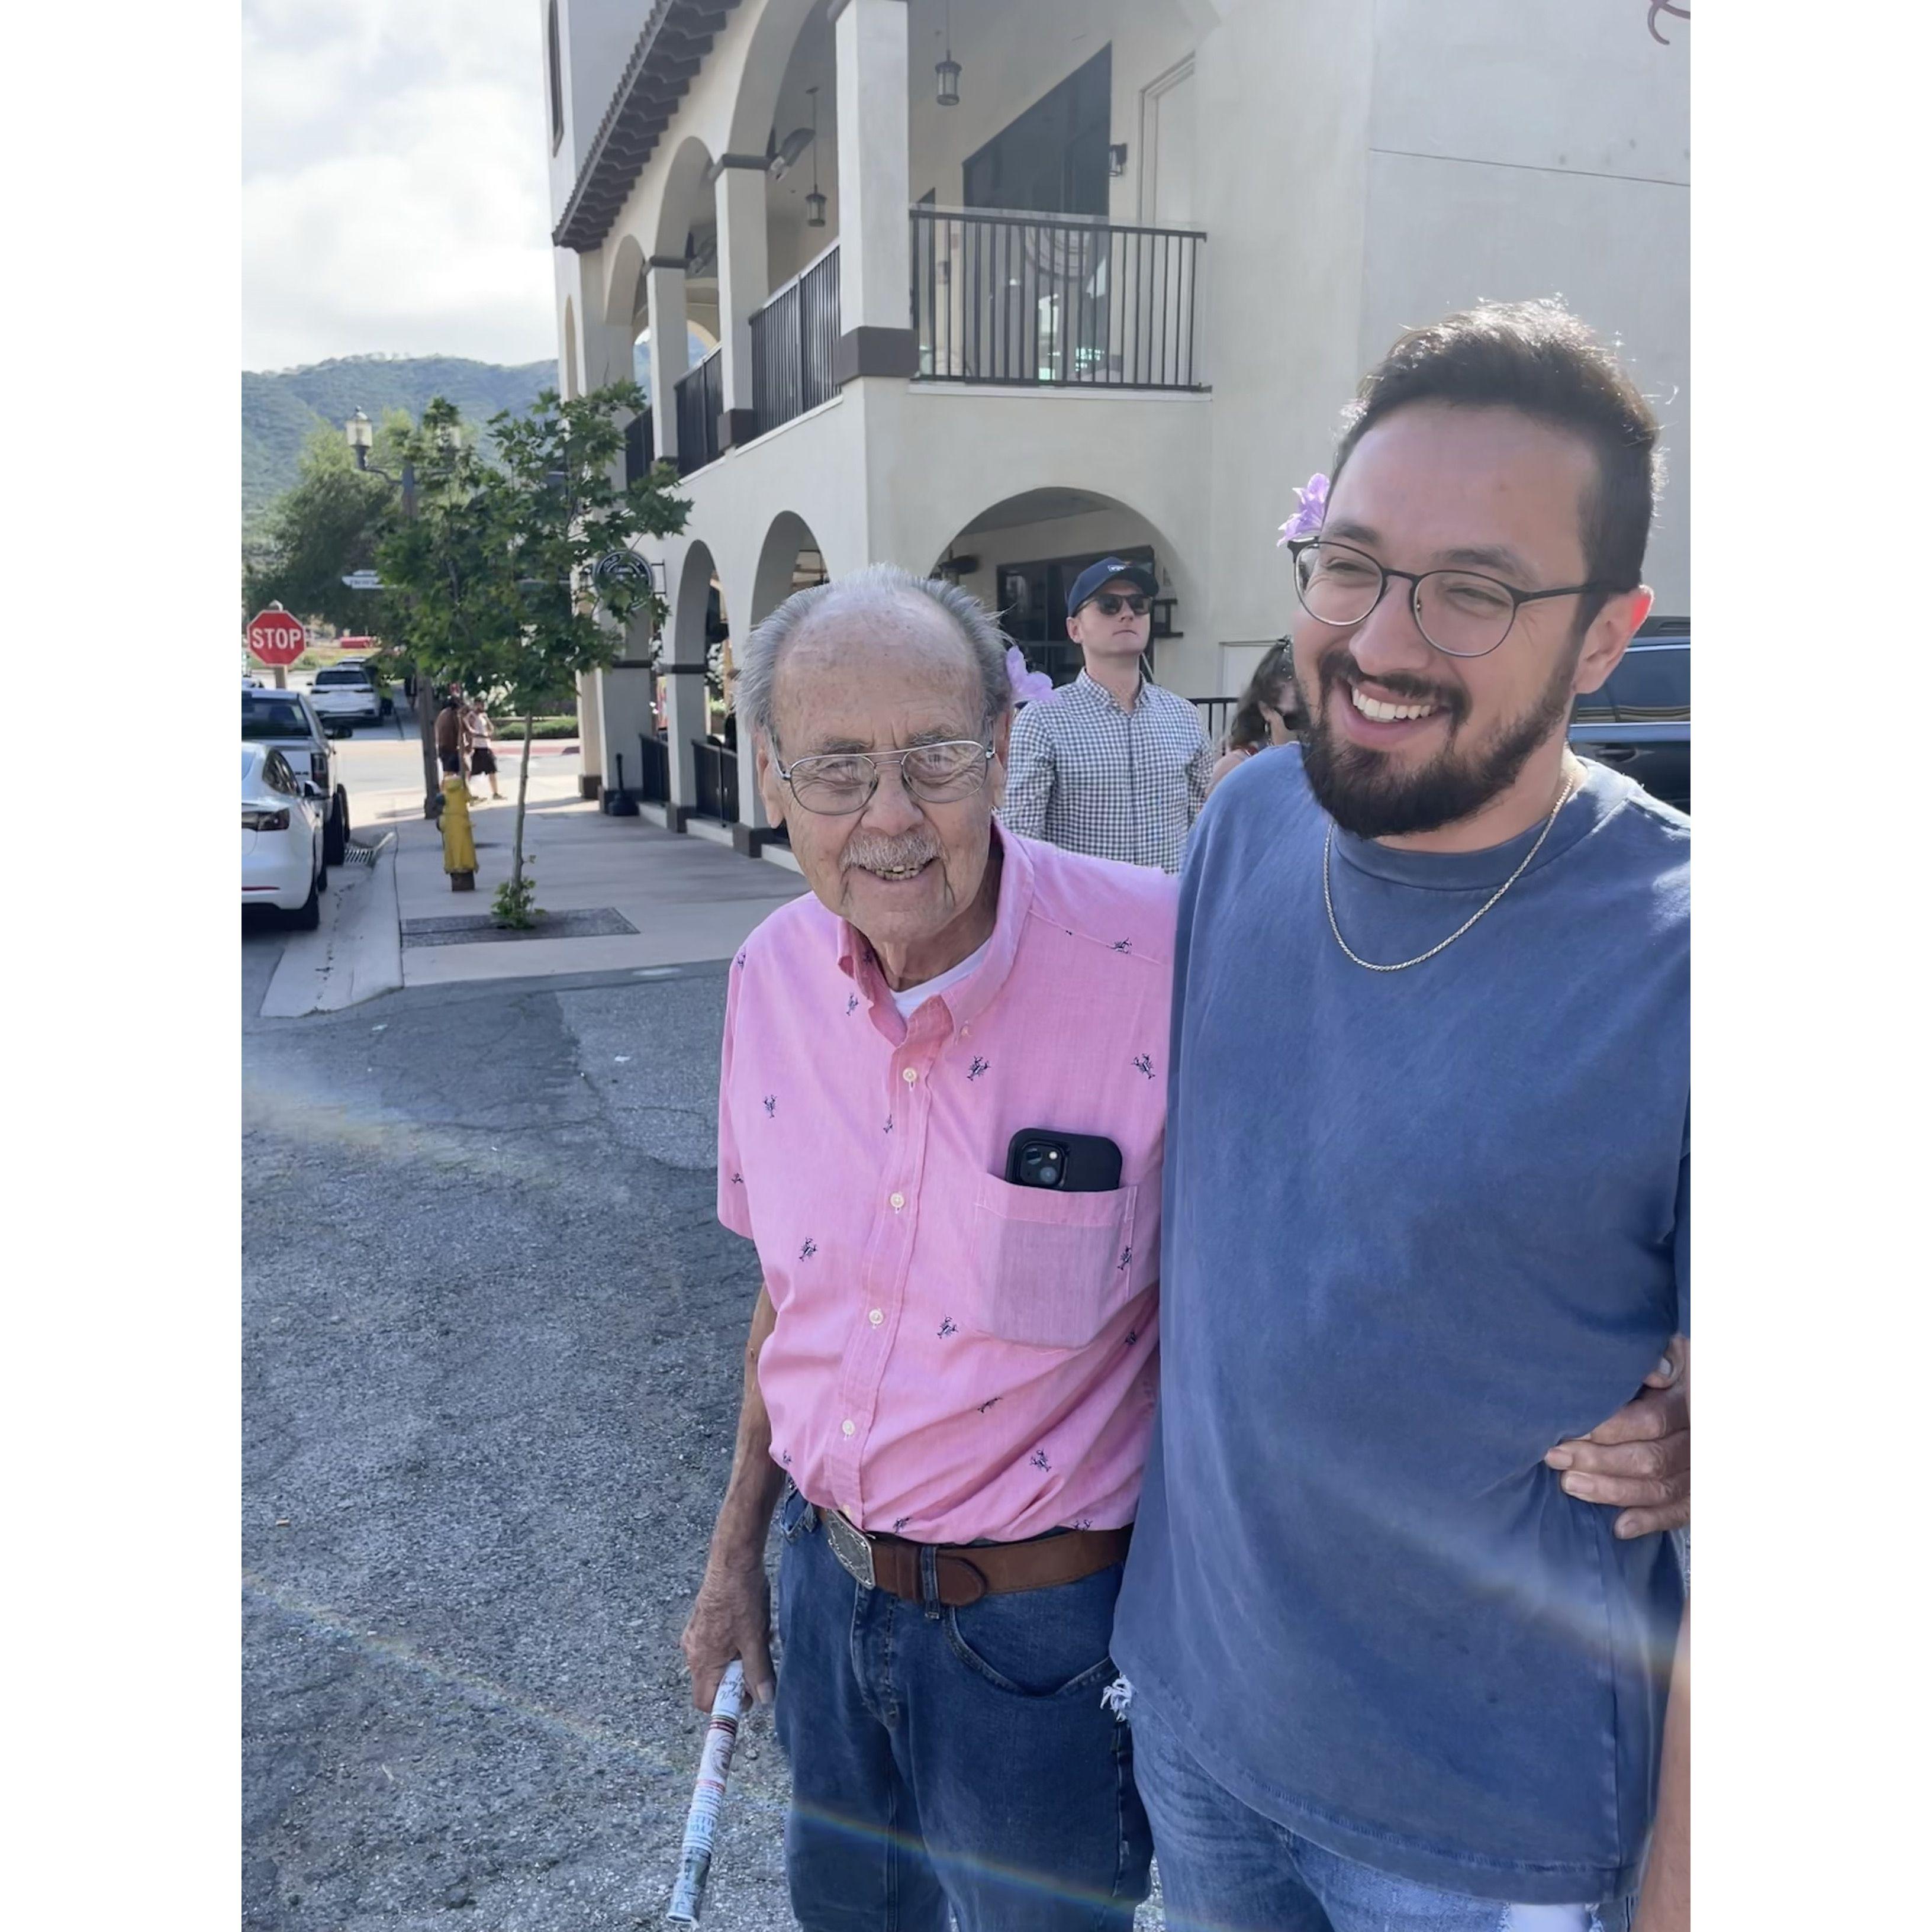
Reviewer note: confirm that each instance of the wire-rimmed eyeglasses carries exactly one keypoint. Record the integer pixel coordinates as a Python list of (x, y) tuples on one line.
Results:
[(1462, 613), (834, 783)]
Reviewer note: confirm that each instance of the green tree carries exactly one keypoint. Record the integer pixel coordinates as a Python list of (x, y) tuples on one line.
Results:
[(313, 535), (501, 581)]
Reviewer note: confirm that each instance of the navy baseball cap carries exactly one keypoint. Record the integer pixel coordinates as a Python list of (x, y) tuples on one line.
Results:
[(1090, 579)]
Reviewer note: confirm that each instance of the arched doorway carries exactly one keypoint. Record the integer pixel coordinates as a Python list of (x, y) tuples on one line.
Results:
[(700, 737), (1019, 556)]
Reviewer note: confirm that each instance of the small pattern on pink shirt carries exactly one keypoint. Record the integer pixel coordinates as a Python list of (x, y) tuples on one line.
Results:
[(955, 1357)]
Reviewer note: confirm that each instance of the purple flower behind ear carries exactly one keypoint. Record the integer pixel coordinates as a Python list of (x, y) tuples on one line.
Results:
[(1027, 684), (1312, 506)]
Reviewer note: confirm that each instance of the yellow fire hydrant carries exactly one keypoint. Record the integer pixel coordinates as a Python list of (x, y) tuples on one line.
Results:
[(459, 849)]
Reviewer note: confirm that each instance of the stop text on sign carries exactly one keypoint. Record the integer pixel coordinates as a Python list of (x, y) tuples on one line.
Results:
[(276, 639)]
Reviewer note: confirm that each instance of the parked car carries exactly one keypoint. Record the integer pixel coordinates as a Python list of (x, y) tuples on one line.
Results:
[(1639, 722), (283, 862), (345, 695), (287, 720)]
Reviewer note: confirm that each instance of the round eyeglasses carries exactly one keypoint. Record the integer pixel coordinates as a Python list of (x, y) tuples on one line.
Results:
[(1462, 613), (834, 783)]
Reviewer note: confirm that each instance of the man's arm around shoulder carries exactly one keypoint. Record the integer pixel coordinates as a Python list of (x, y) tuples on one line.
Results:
[(732, 1616)]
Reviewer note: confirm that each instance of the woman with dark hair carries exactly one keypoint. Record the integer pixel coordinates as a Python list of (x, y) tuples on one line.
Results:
[(1266, 715)]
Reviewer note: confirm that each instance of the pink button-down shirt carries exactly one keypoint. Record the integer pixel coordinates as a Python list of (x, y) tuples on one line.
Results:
[(955, 1357)]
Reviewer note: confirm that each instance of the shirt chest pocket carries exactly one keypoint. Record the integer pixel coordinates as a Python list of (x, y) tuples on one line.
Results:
[(1048, 1268)]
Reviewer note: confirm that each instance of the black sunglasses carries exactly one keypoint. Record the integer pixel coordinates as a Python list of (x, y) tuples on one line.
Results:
[(1111, 604)]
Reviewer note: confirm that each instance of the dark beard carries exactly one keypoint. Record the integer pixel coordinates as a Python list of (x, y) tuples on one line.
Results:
[(1365, 793)]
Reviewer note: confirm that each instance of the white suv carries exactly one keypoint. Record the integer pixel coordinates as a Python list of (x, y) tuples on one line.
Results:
[(345, 695)]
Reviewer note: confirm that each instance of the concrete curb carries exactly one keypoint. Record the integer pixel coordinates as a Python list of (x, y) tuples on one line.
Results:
[(354, 955)]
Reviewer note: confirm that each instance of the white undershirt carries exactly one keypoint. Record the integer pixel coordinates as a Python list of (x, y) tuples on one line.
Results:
[(910, 999)]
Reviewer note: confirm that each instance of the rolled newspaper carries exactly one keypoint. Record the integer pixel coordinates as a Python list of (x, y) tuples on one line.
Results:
[(707, 1798)]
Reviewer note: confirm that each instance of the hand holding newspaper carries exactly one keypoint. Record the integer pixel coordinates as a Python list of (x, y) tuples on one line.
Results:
[(707, 1799)]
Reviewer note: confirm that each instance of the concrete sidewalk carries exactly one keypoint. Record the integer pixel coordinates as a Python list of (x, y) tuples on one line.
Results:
[(689, 898)]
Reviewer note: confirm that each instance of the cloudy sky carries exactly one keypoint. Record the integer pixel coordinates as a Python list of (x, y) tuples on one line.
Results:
[(393, 194)]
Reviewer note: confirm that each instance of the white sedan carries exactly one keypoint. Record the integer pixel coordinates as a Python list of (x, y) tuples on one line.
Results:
[(282, 861)]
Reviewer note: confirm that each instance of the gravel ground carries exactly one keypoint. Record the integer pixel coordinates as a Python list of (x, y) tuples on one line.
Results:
[(491, 1335)]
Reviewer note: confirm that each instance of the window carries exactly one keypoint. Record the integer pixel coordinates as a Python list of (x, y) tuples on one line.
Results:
[(1651, 684), (348, 674), (269, 718), (276, 774), (555, 50), (1052, 158)]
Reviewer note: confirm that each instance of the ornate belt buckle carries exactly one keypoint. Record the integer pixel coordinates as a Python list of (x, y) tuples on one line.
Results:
[(852, 1548)]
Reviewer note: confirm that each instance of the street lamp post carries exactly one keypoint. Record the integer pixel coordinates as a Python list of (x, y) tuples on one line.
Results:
[(361, 436)]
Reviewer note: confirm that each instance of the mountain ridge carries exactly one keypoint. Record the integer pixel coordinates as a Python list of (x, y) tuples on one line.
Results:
[(280, 408)]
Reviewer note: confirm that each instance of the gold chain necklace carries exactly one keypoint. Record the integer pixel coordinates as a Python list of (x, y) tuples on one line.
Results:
[(1563, 798)]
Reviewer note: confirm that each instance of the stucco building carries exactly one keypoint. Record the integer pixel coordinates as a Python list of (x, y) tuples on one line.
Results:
[(997, 286)]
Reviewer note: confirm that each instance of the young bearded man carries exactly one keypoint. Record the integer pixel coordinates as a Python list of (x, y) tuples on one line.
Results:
[(1427, 1206), (1110, 765)]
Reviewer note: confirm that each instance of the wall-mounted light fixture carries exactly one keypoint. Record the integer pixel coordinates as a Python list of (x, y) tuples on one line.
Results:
[(948, 70), (1117, 158), (814, 203)]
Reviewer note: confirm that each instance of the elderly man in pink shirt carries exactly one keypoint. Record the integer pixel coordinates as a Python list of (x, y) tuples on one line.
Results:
[(951, 1370)]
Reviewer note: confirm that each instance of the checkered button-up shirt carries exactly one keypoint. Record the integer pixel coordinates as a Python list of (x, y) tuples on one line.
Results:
[(1086, 775)]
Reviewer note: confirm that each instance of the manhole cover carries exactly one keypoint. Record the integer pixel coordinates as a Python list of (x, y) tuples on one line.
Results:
[(482, 929)]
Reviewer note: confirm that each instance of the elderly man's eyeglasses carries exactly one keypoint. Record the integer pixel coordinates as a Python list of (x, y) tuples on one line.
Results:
[(1463, 614), (835, 782), (1111, 604)]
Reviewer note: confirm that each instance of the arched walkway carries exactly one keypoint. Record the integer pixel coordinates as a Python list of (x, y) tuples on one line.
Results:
[(1020, 555), (789, 560)]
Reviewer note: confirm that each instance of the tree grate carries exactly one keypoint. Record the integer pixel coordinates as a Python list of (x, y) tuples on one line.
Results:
[(481, 928)]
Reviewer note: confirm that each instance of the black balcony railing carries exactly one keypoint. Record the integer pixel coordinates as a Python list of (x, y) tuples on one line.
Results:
[(640, 448), (717, 781), (792, 338), (700, 402), (653, 769), (1216, 714), (1048, 299)]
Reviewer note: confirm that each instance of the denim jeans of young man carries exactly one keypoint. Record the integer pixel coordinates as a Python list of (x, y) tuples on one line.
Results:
[(955, 1760), (1226, 1868)]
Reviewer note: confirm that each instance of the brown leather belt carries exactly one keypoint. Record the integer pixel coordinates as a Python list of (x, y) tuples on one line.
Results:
[(963, 1572)]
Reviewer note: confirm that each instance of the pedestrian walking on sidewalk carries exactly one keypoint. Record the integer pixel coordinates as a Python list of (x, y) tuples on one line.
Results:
[(449, 737), (482, 760)]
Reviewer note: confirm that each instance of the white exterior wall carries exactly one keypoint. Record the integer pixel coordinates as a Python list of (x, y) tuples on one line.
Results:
[(1357, 168), (1525, 148)]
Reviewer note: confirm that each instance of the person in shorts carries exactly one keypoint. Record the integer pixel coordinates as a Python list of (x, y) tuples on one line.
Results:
[(476, 733)]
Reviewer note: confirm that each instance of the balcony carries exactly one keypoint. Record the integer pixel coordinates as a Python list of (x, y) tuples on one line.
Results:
[(700, 402), (793, 339), (1054, 300)]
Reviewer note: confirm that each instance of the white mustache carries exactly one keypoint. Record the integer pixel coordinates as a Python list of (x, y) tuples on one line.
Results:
[(884, 855)]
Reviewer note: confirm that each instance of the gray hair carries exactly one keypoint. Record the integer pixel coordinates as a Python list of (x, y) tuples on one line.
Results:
[(880, 589)]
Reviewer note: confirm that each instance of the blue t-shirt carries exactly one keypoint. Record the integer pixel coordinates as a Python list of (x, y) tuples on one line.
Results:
[(1419, 1227)]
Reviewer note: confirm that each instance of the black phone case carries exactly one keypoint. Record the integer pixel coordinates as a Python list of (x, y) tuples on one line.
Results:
[(1093, 1161)]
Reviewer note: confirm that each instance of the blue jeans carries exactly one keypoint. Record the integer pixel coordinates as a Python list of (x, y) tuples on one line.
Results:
[(952, 1759), (1226, 1868)]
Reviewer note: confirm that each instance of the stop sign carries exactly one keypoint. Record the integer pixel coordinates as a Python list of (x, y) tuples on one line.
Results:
[(276, 639)]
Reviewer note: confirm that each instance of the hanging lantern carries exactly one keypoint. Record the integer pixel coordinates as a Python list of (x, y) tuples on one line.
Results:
[(814, 203), (948, 70)]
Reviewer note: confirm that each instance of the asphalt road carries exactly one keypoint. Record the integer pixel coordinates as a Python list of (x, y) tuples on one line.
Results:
[(491, 1334)]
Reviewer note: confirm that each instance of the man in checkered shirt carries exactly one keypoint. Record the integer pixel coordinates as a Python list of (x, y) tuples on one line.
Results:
[(1110, 765)]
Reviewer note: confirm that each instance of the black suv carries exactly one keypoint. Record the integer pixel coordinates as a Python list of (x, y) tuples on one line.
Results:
[(1639, 723)]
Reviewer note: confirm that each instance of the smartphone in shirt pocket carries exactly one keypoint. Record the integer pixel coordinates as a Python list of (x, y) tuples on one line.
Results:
[(1053, 1251)]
